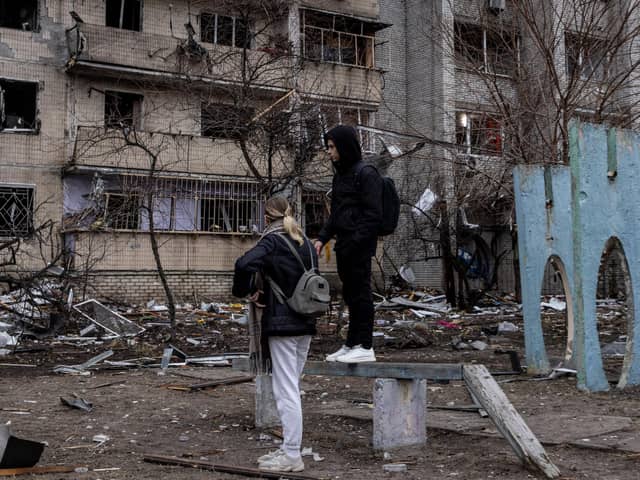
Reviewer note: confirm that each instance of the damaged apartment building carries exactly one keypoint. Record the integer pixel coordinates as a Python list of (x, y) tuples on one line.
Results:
[(127, 119), (494, 83)]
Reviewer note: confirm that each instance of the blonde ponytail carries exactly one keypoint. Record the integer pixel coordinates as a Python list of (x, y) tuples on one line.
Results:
[(278, 207), (292, 227)]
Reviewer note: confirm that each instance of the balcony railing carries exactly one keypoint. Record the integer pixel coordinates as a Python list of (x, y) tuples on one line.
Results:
[(104, 147)]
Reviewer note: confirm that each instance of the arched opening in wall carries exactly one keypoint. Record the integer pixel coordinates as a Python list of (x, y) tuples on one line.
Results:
[(556, 314), (614, 310)]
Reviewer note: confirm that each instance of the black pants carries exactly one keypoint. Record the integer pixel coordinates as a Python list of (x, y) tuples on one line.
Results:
[(355, 274)]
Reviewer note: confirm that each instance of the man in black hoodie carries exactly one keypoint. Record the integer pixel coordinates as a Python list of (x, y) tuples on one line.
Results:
[(356, 211)]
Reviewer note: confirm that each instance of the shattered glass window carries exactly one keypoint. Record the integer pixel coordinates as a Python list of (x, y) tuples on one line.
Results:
[(479, 133), (124, 14), (488, 50), (22, 15), (586, 57), (18, 107), (122, 109), (122, 211), (316, 212), (337, 39), (16, 211)]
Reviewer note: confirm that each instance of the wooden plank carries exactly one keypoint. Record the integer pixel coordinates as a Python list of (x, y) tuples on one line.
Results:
[(211, 384), (405, 371), (10, 472), (218, 467), (488, 393)]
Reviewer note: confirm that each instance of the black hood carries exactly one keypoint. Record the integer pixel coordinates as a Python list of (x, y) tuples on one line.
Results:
[(347, 143)]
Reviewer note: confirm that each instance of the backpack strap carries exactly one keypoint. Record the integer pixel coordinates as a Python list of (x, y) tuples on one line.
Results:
[(361, 165), (295, 252)]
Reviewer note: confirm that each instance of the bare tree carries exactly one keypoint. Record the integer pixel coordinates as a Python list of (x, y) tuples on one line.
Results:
[(522, 75)]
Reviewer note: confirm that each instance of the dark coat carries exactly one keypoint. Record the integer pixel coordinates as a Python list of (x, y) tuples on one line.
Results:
[(356, 200), (272, 258)]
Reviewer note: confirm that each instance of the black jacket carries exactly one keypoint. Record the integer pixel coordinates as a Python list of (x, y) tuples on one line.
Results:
[(272, 257), (356, 200)]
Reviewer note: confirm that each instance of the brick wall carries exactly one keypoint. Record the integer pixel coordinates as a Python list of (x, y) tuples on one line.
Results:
[(137, 287)]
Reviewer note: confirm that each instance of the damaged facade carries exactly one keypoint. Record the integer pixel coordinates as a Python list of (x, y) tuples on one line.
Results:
[(155, 113), (495, 84)]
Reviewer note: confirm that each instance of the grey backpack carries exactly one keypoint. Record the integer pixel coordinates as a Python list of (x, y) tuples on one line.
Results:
[(311, 294)]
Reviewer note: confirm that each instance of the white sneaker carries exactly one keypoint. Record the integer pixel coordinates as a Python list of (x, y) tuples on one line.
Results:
[(282, 463), (343, 349), (357, 355), (270, 455)]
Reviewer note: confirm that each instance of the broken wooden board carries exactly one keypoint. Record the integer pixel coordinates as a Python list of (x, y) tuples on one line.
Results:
[(217, 467), (10, 472), (211, 384), (507, 419)]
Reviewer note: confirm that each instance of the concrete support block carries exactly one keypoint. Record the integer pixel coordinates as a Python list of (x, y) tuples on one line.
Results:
[(266, 410), (399, 413)]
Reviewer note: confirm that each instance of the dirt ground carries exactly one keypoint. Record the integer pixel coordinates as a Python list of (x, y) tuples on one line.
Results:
[(588, 436)]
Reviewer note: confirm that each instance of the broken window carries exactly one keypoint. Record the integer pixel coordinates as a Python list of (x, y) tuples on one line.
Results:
[(122, 211), (122, 109), (124, 14), (182, 204), (22, 15), (494, 51), (336, 38), (224, 121), (479, 133), (224, 30), (16, 211), (321, 118), (586, 57), (316, 212), (18, 105)]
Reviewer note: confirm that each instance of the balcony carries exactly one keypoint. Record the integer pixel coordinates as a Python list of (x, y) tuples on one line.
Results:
[(105, 51), (159, 58), (99, 147)]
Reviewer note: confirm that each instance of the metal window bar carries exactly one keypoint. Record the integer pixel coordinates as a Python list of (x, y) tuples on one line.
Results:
[(212, 206), (16, 211)]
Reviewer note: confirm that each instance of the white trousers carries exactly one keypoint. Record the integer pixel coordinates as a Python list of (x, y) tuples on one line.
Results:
[(288, 355)]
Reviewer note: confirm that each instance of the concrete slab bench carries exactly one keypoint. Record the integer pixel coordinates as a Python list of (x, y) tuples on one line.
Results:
[(399, 395)]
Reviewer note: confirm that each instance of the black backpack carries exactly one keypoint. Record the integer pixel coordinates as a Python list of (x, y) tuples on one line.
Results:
[(390, 201)]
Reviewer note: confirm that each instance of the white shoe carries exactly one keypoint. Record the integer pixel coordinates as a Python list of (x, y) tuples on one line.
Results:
[(343, 349), (268, 456), (282, 463), (357, 355)]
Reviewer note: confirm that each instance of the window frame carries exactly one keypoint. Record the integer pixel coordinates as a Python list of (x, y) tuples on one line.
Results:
[(580, 48), (136, 215), (234, 30), (367, 140), (122, 8), (35, 17), (241, 199), (462, 56), (30, 191), (368, 62), (121, 121), (468, 147), (35, 129)]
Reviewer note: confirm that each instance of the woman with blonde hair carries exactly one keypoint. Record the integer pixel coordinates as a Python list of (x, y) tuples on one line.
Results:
[(287, 332)]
